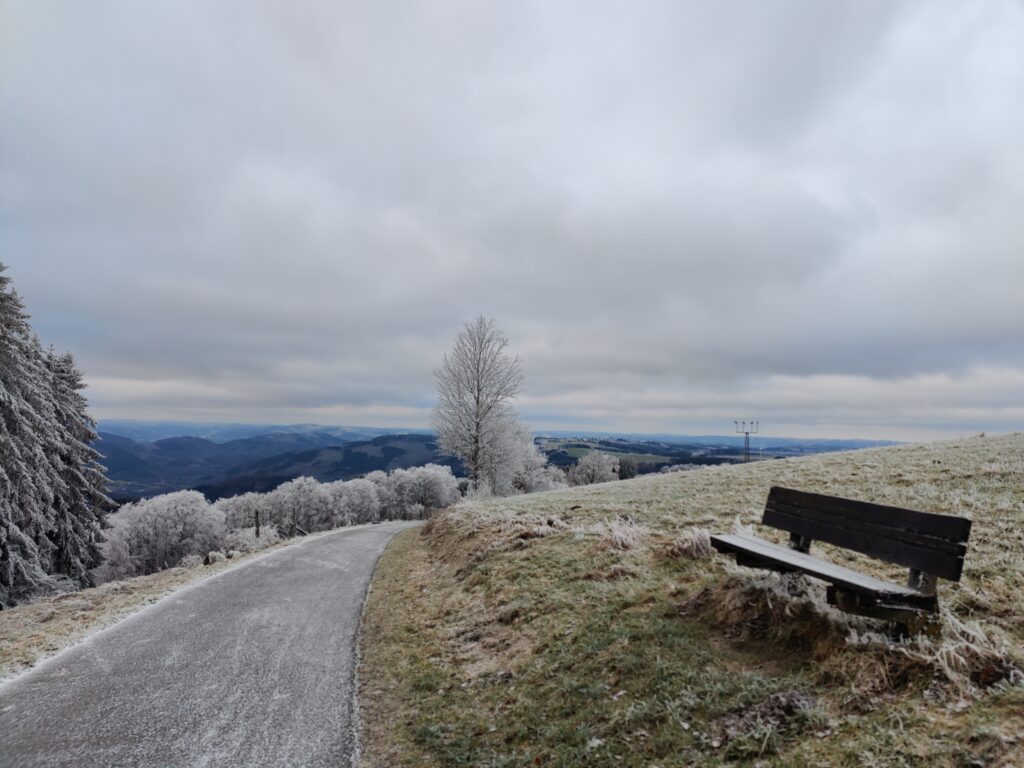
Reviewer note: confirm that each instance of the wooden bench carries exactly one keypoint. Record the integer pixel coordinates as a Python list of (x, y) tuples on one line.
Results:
[(931, 546)]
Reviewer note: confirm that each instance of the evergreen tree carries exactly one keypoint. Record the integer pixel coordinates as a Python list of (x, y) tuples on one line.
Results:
[(51, 488), (82, 500)]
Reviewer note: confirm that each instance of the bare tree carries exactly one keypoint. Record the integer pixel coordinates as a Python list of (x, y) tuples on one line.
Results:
[(475, 383)]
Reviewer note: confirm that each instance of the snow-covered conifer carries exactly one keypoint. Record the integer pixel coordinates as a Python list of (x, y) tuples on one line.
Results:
[(81, 500), (27, 478)]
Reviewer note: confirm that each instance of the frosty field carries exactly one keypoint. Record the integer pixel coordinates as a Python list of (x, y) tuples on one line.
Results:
[(593, 626)]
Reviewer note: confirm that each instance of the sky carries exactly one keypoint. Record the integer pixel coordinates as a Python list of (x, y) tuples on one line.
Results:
[(679, 213)]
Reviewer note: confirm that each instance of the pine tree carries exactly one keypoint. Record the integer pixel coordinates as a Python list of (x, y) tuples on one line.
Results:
[(82, 500), (51, 488), (22, 416)]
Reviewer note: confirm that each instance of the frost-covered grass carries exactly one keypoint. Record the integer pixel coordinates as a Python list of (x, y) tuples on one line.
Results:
[(593, 626)]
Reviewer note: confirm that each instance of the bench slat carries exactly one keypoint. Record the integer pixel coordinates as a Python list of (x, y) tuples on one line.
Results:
[(923, 541), (945, 546), (931, 561), (949, 527), (784, 558)]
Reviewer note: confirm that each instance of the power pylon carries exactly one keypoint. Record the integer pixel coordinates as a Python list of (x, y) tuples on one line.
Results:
[(747, 428)]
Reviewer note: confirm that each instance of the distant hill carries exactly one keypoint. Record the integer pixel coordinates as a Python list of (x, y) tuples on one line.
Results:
[(776, 445), (258, 463), (331, 463), (219, 432), (146, 458)]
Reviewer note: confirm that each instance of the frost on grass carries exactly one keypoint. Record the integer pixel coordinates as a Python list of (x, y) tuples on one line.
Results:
[(691, 544), (756, 729), (625, 532), (968, 656), (854, 650), (745, 636)]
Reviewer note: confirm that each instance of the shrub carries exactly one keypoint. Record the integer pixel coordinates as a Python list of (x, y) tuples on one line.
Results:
[(595, 467), (158, 533), (244, 539), (240, 511), (300, 504)]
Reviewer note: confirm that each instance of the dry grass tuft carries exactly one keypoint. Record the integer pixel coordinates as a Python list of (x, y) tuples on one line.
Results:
[(967, 656), (692, 544), (624, 532)]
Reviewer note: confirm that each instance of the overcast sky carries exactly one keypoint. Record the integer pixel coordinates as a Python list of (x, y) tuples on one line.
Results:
[(680, 213)]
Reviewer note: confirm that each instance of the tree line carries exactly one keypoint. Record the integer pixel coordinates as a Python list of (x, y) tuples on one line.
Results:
[(182, 528)]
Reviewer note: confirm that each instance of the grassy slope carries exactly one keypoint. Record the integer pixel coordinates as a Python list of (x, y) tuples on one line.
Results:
[(515, 632)]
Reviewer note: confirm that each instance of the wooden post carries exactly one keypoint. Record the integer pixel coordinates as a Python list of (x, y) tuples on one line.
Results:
[(800, 543), (257, 523), (922, 582)]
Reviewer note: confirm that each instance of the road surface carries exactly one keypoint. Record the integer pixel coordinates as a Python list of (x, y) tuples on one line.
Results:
[(253, 667)]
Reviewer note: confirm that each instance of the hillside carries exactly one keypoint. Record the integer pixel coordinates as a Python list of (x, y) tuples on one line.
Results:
[(331, 463), (257, 463), (592, 626), (150, 431)]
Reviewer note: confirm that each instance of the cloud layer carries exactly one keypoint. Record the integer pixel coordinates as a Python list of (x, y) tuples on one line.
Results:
[(680, 213)]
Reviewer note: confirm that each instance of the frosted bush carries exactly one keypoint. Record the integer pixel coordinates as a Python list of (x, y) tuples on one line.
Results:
[(154, 534), (546, 477), (301, 504), (240, 511), (190, 561), (244, 540), (360, 502), (387, 495), (595, 467), (433, 486)]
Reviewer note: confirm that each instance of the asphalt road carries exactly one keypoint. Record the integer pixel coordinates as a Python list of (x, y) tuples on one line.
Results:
[(253, 667)]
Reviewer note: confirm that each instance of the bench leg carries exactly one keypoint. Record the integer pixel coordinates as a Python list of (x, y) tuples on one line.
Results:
[(925, 583), (908, 622)]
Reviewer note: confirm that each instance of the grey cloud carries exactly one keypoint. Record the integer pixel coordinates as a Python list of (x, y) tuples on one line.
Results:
[(247, 211)]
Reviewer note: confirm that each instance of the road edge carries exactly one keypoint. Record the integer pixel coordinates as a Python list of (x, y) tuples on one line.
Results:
[(356, 720), (143, 607)]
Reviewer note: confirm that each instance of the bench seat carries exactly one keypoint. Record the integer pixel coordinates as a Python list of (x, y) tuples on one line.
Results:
[(758, 553)]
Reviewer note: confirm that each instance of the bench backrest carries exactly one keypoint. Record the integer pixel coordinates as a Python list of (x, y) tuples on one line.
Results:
[(933, 544)]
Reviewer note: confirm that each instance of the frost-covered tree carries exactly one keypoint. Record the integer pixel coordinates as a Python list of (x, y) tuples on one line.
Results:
[(435, 486), (475, 384), (153, 534), (240, 511), (81, 499), (51, 489), (354, 501), (392, 506), (595, 467), (405, 494), (301, 504)]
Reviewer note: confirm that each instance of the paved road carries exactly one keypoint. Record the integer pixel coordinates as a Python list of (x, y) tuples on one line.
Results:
[(253, 667)]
